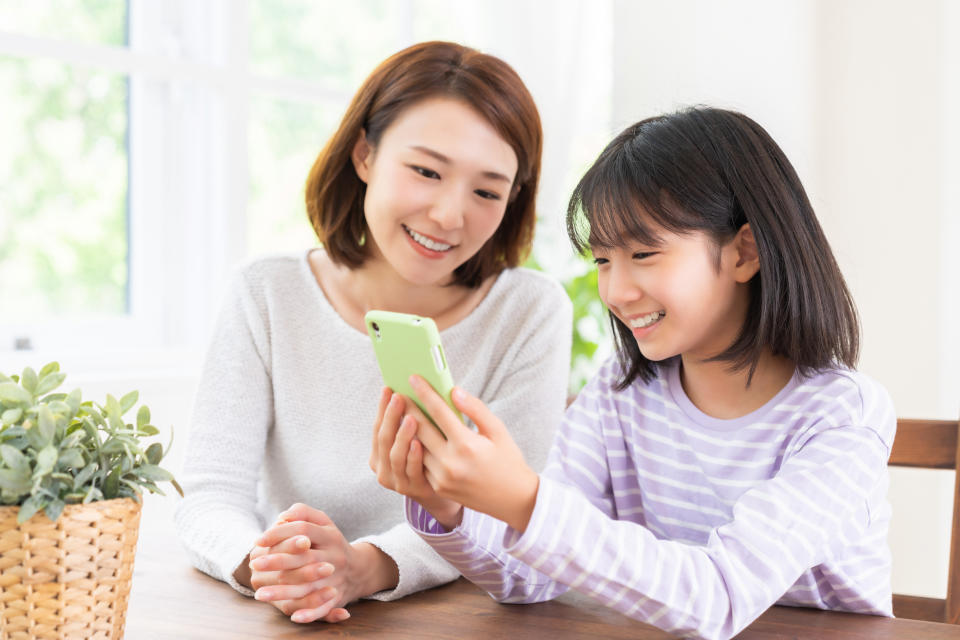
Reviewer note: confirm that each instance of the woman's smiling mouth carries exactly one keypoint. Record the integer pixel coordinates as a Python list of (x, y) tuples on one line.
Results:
[(427, 242)]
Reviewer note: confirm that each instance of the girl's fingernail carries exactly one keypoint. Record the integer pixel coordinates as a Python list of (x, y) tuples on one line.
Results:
[(299, 617), (458, 394), (343, 616), (262, 594)]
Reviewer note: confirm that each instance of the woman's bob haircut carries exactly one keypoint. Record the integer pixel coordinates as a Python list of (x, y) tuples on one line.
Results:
[(710, 170), (335, 195)]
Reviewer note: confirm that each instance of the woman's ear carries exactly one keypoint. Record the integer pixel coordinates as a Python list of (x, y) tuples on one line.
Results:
[(748, 258), (362, 156)]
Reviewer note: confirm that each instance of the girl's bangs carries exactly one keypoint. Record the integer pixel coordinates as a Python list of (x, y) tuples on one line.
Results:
[(615, 209)]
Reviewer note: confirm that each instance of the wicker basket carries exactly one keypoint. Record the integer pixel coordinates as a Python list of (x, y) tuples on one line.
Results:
[(69, 578)]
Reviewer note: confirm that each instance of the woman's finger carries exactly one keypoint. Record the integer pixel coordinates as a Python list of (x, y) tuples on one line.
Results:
[(316, 606), (304, 512), (414, 466), (401, 446), (385, 395)]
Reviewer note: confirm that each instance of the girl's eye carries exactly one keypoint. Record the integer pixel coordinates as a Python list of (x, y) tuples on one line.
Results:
[(640, 255), (487, 195), (599, 261), (426, 173)]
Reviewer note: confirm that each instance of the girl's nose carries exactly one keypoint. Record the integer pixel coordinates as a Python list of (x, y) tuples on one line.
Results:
[(617, 285)]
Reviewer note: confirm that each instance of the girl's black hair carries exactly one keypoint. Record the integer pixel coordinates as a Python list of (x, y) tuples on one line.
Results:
[(713, 170)]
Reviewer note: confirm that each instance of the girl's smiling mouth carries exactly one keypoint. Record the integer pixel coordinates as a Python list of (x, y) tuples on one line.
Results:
[(642, 325)]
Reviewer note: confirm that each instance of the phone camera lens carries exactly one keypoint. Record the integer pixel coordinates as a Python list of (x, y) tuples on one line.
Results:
[(375, 326)]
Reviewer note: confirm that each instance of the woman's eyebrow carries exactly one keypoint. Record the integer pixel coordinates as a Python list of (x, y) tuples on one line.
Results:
[(493, 175)]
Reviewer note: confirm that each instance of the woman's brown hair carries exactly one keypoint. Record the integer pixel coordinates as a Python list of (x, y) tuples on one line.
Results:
[(335, 194), (713, 170)]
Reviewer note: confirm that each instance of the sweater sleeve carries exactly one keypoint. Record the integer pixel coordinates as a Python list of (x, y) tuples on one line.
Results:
[(217, 520), (780, 527)]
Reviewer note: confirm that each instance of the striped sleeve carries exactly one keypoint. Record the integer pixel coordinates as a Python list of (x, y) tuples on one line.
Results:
[(780, 528)]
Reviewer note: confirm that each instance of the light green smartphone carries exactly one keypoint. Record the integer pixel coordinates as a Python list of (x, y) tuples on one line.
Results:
[(407, 344)]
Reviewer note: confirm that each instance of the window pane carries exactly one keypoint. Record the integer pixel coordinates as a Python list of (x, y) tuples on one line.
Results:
[(63, 167), (284, 139), (333, 43), (99, 21)]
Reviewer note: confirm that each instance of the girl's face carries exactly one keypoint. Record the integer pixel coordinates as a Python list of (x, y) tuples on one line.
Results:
[(438, 183), (674, 297)]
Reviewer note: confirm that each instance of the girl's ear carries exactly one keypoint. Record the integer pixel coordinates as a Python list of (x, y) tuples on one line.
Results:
[(362, 156), (748, 258)]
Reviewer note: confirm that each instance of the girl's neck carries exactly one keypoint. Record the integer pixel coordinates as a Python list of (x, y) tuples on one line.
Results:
[(721, 393), (375, 285)]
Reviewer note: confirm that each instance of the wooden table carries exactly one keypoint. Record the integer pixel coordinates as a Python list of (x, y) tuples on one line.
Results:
[(170, 599)]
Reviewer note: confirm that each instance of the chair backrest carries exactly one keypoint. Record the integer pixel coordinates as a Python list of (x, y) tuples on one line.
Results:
[(932, 444)]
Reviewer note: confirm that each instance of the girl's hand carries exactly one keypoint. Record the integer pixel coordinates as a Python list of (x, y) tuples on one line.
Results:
[(310, 571), (484, 470), (396, 456)]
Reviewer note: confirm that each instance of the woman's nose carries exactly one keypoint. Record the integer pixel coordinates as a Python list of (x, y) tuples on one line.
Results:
[(447, 212)]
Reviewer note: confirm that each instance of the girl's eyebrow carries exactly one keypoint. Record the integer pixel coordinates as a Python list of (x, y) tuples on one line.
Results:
[(493, 175)]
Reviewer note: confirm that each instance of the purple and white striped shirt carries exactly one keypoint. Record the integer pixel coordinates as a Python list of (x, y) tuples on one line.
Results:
[(694, 524)]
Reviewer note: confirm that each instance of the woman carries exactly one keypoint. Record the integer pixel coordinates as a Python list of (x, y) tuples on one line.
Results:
[(423, 201)]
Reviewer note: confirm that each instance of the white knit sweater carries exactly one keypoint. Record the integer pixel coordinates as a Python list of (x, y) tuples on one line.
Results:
[(287, 399)]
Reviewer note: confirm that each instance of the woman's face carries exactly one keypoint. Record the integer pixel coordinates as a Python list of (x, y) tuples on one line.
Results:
[(438, 182)]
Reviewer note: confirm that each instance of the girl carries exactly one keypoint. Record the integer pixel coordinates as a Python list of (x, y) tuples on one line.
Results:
[(424, 202), (729, 458)]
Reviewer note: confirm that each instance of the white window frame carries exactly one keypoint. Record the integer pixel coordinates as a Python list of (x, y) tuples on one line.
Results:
[(190, 87)]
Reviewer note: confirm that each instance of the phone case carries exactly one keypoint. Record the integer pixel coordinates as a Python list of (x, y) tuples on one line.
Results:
[(407, 344)]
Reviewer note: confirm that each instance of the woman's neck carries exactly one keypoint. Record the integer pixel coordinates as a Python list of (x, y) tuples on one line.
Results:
[(375, 285), (722, 393)]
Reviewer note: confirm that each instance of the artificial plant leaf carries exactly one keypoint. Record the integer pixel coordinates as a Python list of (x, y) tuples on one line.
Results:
[(49, 382), (13, 394), (127, 401), (149, 430), (73, 400), (46, 423), (114, 414), (15, 483), (71, 458), (54, 509), (29, 380), (143, 416), (153, 472), (112, 483), (154, 453), (50, 367), (29, 507), (46, 460), (14, 460), (10, 416), (84, 476)]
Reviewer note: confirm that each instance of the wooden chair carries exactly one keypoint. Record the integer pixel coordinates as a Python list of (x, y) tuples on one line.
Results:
[(932, 444)]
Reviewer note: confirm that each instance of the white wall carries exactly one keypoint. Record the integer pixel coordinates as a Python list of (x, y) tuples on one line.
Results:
[(862, 96)]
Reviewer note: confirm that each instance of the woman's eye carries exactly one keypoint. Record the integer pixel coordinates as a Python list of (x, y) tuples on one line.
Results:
[(487, 195), (426, 173)]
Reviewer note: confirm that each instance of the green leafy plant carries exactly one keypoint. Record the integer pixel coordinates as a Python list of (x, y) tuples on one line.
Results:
[(56, 449)]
